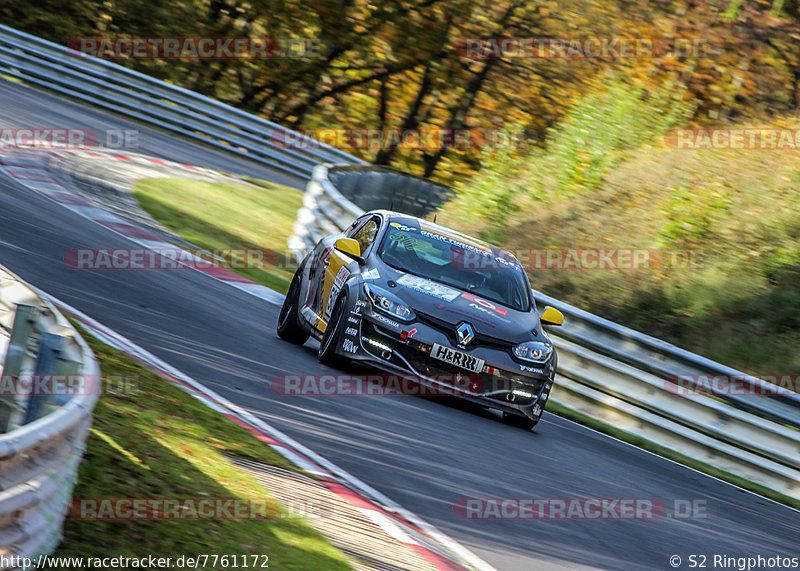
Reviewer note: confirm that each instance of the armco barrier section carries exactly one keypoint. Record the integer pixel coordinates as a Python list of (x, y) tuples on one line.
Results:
[(663, 359), (373, 187), (154, 102), (337, 194), (40, 453), (698, 426)]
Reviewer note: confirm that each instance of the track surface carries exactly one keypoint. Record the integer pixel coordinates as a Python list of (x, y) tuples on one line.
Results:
[(422, 453)]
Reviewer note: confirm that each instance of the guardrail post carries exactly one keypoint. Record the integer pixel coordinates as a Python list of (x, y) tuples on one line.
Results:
[(24, 318), (46, 359), (65, 369)]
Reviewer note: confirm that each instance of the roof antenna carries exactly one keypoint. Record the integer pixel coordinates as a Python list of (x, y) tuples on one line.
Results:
[(434, 219), (391, 204)]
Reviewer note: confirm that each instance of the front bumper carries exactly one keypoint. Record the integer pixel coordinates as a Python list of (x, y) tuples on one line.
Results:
[(404, 348)]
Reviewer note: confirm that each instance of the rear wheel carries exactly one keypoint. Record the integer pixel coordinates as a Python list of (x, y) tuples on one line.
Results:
[(333, 332), (288, 320)]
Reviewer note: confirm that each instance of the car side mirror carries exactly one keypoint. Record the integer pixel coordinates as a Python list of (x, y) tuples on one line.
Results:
[(551, 316), (350, 247)]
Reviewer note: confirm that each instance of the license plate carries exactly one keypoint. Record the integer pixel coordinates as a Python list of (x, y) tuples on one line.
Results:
[(457, 358)]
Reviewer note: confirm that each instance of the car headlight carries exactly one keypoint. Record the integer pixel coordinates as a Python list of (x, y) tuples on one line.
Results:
[(388, 303), (533, 351)]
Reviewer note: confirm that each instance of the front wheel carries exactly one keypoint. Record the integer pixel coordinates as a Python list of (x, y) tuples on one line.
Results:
[(288, 323), (520, 421), (333, 332)]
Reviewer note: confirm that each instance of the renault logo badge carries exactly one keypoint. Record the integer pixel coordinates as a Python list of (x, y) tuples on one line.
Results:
[(465, 333)]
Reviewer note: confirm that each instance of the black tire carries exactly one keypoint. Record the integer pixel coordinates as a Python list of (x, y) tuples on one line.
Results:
[(520, 421), (288, 320), (333, 332)]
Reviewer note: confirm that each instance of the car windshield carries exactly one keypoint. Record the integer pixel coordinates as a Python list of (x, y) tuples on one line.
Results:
[(458, 264)]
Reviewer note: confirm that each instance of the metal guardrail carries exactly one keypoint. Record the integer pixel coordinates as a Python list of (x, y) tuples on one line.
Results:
[(666, 360), (154, 102), (610, 371), (45, 430), (371, 187), (695, 425), (337, 194), (325, 211)]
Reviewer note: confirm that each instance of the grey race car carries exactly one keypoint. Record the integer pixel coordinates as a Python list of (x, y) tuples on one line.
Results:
[(420, 300)]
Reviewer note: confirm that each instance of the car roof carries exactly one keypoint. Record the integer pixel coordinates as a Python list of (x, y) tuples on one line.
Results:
[(427, 225)]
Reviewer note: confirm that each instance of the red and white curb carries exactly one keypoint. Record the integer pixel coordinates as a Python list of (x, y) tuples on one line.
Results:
[(390, 516), (32, 168)]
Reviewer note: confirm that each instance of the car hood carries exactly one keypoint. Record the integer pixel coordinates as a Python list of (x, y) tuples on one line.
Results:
[(451, 306)]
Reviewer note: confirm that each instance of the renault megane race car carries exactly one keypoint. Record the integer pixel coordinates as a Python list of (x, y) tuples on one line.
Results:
[(417, 299)]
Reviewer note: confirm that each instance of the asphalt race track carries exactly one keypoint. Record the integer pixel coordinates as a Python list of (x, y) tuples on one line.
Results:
[(422, 453)]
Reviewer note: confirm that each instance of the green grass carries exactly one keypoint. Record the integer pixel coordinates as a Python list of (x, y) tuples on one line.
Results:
[(222, 215), (157, 441)]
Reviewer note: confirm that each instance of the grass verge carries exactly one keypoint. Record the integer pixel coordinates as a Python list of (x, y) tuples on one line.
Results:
[(150, 439), (223, 216)]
